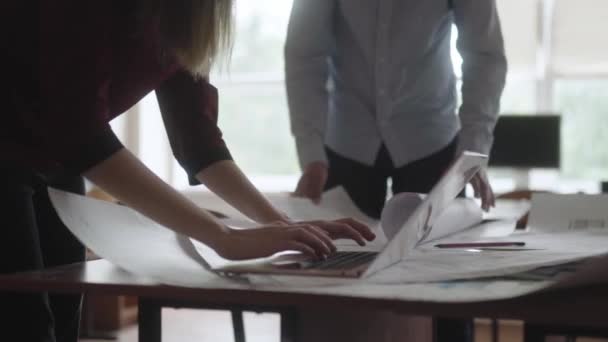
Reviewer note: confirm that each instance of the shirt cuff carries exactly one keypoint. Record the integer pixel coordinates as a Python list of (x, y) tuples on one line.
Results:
[(206, 159), (310, 149), (93, 151), (475, 140)]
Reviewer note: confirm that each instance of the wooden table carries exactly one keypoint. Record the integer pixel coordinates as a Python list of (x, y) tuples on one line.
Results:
[(575, 308)]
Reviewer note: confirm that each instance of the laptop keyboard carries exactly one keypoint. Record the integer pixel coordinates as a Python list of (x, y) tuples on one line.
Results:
[(342, 260)]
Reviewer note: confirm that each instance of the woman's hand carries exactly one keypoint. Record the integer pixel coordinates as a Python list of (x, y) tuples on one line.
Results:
[(346, 228), (266, 240), (312, 238)]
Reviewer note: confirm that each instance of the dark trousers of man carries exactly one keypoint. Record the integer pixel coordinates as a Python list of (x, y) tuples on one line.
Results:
[(367, 187), (33, 237)]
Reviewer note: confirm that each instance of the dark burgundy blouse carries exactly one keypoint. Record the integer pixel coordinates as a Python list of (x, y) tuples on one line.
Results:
[(74, 66)]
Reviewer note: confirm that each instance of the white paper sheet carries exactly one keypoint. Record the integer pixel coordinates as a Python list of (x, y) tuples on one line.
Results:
[(429, 264), (133, 242), (508, 209), (446, 292), (143, 247), (460, 214)]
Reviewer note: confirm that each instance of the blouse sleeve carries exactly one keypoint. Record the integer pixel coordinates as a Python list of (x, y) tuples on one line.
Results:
[(189, 108)]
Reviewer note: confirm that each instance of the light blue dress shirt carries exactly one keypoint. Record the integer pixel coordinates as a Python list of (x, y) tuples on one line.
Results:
[(360, 73)]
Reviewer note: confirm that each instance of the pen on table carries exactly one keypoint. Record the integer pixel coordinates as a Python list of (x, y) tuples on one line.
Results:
[(481, 244)]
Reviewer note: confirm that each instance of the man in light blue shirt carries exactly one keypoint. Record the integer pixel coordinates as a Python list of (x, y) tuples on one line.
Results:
[(372, 96), (372, 93)]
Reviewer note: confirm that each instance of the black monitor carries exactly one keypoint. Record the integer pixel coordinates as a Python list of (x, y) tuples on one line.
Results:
[(526, 141)]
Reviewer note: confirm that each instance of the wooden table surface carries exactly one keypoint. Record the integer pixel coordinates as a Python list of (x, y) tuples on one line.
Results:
[(586, 306)]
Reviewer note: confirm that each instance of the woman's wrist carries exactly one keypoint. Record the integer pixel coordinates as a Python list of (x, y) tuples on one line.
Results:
[(279, 219), (214, 237), (274, 217)]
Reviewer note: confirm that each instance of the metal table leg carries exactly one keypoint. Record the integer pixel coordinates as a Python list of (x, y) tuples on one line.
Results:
[(238, 325), (150, 320), (289, 322)]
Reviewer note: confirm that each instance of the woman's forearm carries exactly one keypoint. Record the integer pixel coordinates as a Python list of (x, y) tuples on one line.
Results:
[(228, 181), (127, 179)]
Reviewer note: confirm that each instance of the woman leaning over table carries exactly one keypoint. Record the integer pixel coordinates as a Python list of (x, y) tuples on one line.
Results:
[(72, 66)]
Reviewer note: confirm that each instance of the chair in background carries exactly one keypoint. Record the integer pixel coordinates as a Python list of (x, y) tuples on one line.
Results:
[(522, 222)]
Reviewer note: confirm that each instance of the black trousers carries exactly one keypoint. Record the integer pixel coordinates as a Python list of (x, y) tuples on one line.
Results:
[(33, 237), (367, 186)]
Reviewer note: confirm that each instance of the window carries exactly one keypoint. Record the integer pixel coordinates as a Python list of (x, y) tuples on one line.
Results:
[(253, 105), (584, 108)]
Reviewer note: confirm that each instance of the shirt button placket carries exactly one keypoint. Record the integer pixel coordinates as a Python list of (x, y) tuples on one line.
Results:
[(382, 67)]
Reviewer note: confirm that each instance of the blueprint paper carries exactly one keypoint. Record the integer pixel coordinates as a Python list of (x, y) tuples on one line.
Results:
[(507, 209), (460, 214), (429, 264), (132, 241), (145, 248), (445, 292)]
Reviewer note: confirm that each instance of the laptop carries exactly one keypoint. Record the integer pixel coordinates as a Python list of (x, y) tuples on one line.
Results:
[(365, 262)]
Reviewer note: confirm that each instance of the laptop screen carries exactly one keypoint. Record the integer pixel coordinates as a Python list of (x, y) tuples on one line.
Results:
[(420, 224)]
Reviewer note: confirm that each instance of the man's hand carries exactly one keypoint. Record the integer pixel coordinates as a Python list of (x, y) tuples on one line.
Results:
[(483, 190), (312, 182)]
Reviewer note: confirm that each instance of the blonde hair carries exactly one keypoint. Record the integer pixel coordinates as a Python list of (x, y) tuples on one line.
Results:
[(196, 32)]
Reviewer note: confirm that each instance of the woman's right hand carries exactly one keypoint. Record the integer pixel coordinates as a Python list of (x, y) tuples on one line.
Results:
[(266, 240)]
